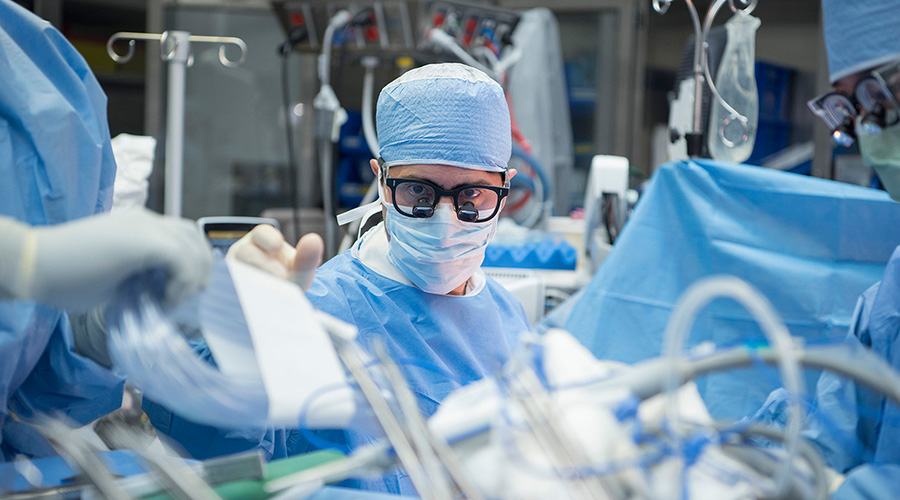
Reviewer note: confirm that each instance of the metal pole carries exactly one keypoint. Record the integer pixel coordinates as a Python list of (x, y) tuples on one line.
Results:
[(176, 48)]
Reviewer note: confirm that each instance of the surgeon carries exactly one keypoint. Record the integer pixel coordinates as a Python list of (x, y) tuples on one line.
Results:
[(59, 262), (857, 430), (414, 281)]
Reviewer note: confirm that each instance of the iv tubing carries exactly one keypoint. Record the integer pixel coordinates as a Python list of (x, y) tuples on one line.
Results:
[(444, 40), (695, 298), (326, 158), (707, 24), (338, 21), (367, 112)]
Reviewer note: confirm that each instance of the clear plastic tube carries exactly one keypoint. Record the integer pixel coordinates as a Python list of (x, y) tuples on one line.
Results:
[(368, 112), (149, 348), (695, 298)]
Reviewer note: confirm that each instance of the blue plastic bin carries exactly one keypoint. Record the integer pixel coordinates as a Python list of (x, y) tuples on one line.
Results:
[(774, 84)]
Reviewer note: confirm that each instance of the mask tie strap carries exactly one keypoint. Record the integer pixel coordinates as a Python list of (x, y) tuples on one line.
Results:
[(357, 213)]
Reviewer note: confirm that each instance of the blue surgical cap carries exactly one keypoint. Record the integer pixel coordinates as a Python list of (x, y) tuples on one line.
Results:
[(860, 34), (444, 114)]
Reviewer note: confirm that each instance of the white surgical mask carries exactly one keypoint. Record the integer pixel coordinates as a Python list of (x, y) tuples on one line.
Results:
[(438, 253), (882, 152)]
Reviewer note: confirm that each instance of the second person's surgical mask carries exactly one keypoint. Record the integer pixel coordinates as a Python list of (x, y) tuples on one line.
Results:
[(882, 153), (438, 253)]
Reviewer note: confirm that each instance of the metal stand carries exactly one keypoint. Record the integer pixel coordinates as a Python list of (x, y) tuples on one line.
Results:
[(695, 138), (175, 48)]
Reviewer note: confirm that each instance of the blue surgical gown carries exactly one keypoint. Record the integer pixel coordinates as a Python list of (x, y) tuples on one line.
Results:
[(853, 425), (870, 482), (441, 342), (56, 164)]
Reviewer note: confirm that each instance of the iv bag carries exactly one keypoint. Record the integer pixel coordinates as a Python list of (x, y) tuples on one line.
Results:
[(731, 137)]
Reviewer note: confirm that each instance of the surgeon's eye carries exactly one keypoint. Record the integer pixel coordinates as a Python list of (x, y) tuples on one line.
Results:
[(417, 189), (476, 196), (470, 193)]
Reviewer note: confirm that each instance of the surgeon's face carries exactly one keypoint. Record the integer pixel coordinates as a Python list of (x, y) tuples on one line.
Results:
[(440, 223)]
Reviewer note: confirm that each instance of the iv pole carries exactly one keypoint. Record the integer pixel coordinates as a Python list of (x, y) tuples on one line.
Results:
[(695, 138), (175, 48)]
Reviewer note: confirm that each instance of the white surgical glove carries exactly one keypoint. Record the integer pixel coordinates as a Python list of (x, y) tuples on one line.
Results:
[(79, 264), (264, 247)]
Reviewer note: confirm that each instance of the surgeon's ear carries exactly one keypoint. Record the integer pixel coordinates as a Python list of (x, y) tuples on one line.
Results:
[(374, 164)]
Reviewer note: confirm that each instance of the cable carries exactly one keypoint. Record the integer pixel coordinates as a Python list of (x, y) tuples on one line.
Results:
[(543, 188), (369, 62), (442, 39), (517, 134), (330, 116), (296, 35), (611, 216), (339, 20)]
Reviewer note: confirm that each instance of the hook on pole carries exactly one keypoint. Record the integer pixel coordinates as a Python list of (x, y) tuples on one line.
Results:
[(169, 45), (661, 6), (131, 37)]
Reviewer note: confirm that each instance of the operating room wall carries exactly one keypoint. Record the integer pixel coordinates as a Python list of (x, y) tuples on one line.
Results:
[(589, 46), (87, 26)]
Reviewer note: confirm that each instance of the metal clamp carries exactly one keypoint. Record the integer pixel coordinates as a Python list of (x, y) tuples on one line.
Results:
[(745, 134), (749, 6)]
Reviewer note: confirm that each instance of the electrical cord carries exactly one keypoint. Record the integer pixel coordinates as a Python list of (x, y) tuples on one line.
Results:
[(296, 35), (329, 116), (543, 188), (611, 216)]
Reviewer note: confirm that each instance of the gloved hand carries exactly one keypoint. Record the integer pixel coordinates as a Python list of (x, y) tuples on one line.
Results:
[(80, 264), (264, 247)]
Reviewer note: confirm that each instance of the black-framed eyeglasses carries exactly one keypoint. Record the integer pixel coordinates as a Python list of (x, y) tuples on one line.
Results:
[(876, 94), (418, 198)]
